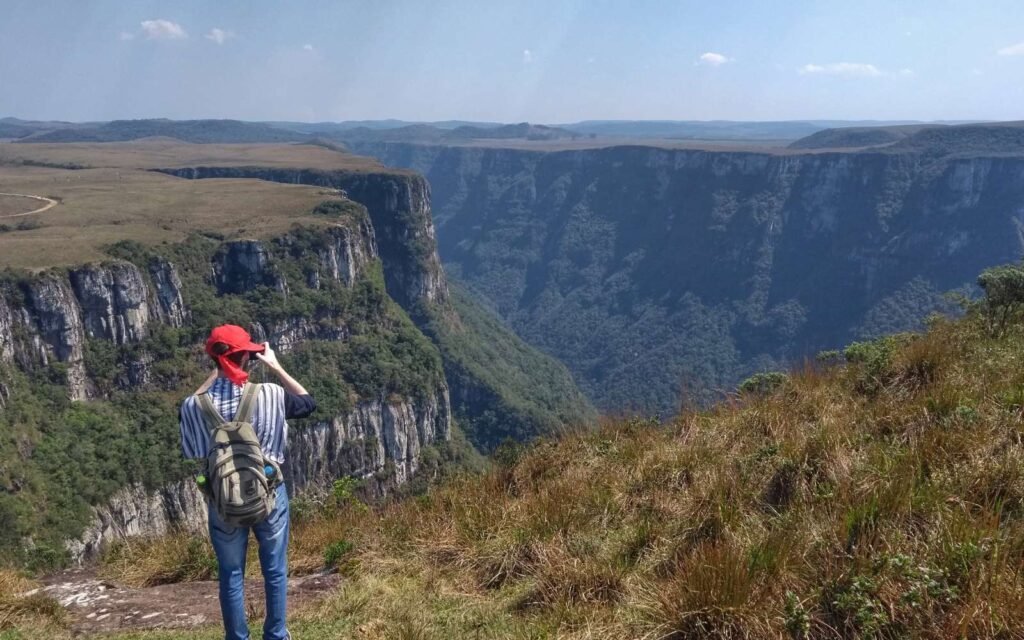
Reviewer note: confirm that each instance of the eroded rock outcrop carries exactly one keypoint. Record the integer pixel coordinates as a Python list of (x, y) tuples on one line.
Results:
[(169, 306), (135, 511), (57, 332), (114, 300), (399, 208), (243, 265), (372, 437)]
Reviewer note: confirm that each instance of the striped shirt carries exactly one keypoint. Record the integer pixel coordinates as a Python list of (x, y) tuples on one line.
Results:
[(273, 406)]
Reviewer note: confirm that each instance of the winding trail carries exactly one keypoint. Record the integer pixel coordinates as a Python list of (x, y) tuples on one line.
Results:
[(50, 203)]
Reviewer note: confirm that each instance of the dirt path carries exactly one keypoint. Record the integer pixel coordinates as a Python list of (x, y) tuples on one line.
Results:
[(50, 203), (96, 606)]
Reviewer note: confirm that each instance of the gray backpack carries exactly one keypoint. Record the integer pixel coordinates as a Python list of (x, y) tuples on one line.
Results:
[(236, 478)]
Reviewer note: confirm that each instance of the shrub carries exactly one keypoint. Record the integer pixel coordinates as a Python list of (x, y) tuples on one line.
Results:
[(1004, 294), (336, 552), (763, 383)]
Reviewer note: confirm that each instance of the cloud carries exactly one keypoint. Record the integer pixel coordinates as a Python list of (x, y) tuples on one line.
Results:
[(163, 30), (527, 56), (1012, 50), (220, 36), (125, 35), (307, 47), (712, 59), (845, 69)]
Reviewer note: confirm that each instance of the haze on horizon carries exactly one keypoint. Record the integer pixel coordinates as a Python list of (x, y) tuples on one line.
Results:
[(541, 61)]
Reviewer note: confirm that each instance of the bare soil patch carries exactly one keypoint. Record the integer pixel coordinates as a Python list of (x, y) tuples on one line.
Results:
[(97, 606)]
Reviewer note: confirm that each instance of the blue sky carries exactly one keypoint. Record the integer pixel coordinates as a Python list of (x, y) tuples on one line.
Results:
[(540, 61)]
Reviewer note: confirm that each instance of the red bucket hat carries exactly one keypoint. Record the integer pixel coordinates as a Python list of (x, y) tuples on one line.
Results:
[(238, 340)]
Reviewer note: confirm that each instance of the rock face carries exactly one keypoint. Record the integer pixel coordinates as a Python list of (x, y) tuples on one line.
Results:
[(379, 439), (56, 321), (692, 269), (169, 305), (372, 437), (114, 300), (6, 333), (242, 266), (347, 253), (399, 208), (136, 512)]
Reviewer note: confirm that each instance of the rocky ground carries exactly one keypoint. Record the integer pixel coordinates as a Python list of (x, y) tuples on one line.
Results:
[(96, 606)]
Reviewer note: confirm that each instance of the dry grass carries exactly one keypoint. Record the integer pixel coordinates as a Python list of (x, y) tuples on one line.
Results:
[(37, 612), (14, 205), (119, 199), (831, 508)]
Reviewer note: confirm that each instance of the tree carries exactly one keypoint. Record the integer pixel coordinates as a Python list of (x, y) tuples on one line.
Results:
[(1004, 295)]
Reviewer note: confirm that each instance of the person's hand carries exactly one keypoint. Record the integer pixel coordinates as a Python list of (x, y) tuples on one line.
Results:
[(269, 358)]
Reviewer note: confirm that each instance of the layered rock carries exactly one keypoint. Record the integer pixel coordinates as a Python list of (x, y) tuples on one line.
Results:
[(689, 268), (169, 306), (114, 300), (135, 511), (57, 331), (399, 209), (373, 436), (6, 332)]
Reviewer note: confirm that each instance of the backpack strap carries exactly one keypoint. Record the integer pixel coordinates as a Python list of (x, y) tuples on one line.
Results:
[(247, 405), (210, 413)]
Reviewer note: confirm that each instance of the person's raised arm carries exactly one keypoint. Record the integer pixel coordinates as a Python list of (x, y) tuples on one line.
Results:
[(290, 384)]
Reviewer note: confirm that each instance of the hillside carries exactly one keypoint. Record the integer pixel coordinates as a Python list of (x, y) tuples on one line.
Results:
[(664, 276), (107, 296), (931, 139), (881, 497), (855, 137)]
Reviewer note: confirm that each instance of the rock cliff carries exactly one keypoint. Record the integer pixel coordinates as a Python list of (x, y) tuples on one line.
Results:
[(504, 388), (399, 208), (104, 329), (689, 269)]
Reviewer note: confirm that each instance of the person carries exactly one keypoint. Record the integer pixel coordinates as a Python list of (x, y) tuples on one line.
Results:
[(232, 350)]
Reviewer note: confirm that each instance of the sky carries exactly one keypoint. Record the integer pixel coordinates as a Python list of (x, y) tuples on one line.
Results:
[(544, 61)]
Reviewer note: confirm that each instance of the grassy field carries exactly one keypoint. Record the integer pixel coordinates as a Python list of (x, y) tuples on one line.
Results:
[(883, 498), (165, 152), (13, 205), (116, 198)]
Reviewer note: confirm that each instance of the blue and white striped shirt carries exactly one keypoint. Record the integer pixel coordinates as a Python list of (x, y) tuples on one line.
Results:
[(273, 406)]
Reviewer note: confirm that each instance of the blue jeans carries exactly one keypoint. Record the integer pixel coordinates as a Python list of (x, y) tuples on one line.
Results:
[(230, 544)]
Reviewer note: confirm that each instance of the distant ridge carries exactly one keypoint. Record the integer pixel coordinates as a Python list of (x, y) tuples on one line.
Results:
[(857, 137), (989, 138), (199, 131)]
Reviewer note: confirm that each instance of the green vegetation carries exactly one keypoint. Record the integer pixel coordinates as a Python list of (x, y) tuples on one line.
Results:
[(821, 509), (59, 458), (338, 208), (503, 389), (763, 383), (663, 278), (1004, 294)]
